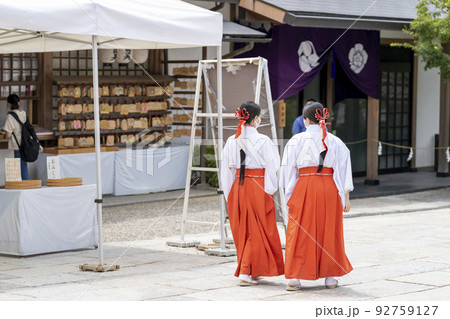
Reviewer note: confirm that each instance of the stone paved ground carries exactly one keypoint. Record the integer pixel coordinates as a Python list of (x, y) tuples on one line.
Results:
[(400, 256)]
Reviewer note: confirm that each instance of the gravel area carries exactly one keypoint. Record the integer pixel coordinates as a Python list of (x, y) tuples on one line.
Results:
[(158, 219)]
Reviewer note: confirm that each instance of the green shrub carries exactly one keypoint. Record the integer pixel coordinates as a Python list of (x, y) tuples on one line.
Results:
[(211, 177)]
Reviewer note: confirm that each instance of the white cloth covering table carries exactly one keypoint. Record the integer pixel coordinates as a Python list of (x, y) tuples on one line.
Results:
[(49, 219), (150, 170), (126, 172)]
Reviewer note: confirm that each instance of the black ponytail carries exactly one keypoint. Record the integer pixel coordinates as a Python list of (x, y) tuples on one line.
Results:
[(309, 112), (242, 170), (14, 100), (253, 110)]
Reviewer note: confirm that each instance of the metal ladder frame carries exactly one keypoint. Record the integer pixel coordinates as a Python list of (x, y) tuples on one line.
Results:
[(262, 73)]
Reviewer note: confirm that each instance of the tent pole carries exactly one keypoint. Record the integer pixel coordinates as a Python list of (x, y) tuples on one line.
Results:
[(220, 143), (97, 147)]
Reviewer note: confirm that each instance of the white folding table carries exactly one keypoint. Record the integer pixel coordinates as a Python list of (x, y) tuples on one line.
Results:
[(49, 219)]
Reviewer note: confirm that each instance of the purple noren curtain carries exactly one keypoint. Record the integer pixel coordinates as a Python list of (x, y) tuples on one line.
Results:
[(297, 54)]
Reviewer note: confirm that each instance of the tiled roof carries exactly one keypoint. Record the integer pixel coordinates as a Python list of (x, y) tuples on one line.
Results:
[(387, 9)]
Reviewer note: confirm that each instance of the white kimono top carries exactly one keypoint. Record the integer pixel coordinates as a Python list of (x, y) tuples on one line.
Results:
[(303, 150), (261, 152)]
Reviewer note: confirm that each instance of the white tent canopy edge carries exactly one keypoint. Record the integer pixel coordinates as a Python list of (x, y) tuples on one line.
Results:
[(62, 25)]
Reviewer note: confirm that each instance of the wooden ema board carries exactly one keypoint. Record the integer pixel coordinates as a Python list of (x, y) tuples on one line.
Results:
[(29, 184), (78, 150), (62, 182), (99, 268)]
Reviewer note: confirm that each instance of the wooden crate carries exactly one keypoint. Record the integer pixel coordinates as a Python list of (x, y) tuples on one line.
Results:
[(99, 268)]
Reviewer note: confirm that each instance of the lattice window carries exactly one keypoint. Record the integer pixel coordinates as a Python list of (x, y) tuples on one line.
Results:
[(19, 75)]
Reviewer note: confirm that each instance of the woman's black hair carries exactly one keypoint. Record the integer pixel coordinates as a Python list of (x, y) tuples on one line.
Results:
[(253, 110), (14, 100), (309, 112)]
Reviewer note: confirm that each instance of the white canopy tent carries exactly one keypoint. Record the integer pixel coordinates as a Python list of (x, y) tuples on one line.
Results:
[(64, 25)]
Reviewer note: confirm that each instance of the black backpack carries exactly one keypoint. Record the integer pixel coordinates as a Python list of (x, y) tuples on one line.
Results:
[(29, 147)]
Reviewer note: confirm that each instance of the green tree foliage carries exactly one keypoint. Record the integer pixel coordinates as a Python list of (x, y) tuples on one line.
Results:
[(431, 32)]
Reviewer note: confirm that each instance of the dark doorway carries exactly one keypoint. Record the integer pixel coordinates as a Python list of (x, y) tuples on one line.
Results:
[(294, 104), (395, 108)]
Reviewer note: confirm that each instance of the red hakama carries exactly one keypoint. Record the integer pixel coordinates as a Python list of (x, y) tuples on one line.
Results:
[(315, 238), (253, 224)]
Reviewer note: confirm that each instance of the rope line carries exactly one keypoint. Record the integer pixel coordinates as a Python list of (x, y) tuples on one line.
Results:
[(399, 146)]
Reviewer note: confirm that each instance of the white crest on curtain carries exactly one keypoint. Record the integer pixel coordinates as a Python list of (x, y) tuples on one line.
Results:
[(307, 56), (357, 58), (380, 149), (447, 153)]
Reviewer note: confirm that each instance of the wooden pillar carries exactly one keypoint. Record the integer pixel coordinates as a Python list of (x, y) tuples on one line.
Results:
[(233, 18), (45, 106), (166, 61), (444, 124), (414, 112), (155, 61), (373, 115)]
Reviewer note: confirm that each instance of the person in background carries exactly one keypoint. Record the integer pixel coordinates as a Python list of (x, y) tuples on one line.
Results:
[(249, 178), (13, 127), (299, 125)]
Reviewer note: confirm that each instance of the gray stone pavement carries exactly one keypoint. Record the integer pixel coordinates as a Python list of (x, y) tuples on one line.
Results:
[(399, 247)]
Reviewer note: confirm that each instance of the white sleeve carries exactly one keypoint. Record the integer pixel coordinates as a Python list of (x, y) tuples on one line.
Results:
[(345, 168), (289, 171), (227, 173), (342, 170), (271, 157)]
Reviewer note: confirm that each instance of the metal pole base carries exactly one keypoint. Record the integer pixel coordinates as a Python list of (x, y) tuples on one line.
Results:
[(221, 252), (99, 268), (182, 244)]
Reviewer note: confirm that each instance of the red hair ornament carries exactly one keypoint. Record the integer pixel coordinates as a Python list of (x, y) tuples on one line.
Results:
[(321, 116), (242, 116)]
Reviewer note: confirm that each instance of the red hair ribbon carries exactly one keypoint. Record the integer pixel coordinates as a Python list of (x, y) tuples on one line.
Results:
[(321, 116), (242, 116)]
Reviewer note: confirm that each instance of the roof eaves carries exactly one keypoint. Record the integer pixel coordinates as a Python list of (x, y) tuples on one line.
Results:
[(340, 21)]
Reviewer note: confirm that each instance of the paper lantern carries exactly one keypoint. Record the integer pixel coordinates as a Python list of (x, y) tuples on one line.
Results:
[(140, 56), (107, 55), (123, 56)]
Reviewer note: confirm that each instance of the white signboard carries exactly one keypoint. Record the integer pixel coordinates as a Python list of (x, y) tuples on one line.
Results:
[(12, 170), (53, 167)]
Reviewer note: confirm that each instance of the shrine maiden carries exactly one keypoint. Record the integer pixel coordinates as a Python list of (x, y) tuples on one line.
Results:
[(317, 176), (249, 178)]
